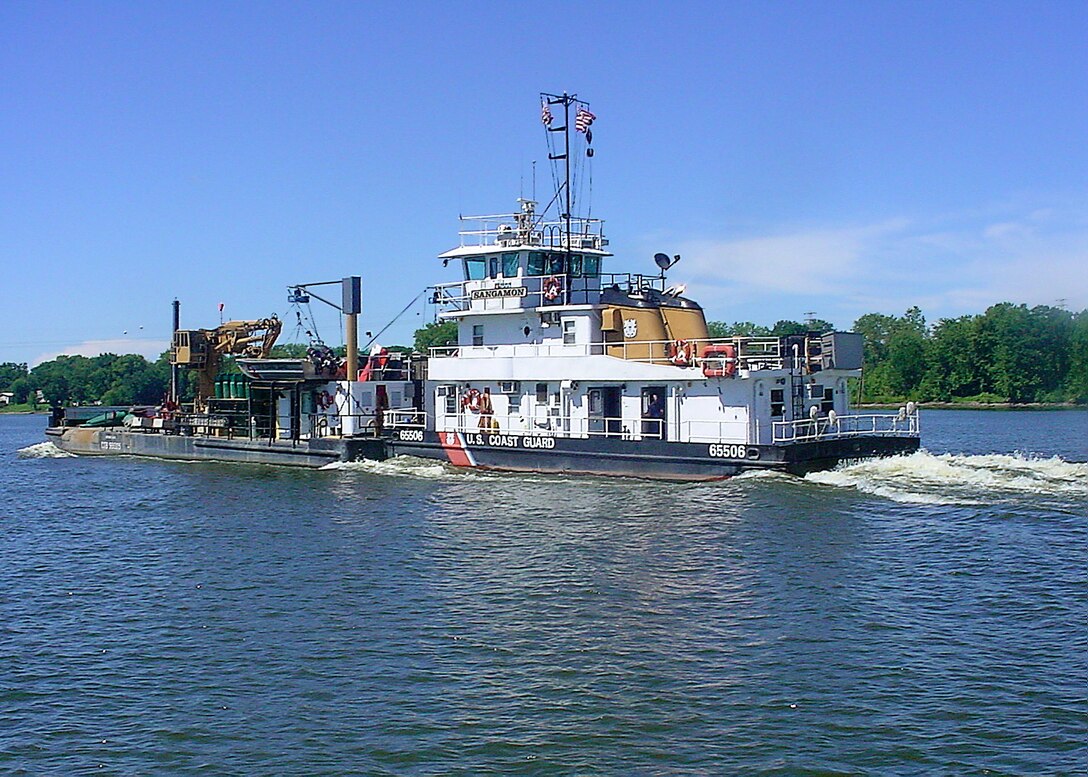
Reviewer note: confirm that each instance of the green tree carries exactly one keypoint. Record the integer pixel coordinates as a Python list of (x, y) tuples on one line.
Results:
[(906, 361), (895, 355), (438, 334), (953, 368), (1007, 350), (22, 389), (289, 351), (110, 378), (11, 372), (876, 330), (719, 329), (1077, 375), (1049, 341), (55, 388), (785, 327)]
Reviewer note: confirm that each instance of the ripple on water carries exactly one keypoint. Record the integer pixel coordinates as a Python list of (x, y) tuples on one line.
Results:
[(411, 618)]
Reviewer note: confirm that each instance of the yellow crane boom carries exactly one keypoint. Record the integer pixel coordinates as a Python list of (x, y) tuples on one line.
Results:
[(203, 349)]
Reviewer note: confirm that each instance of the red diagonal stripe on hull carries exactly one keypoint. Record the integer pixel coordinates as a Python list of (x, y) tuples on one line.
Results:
[(451, 443)]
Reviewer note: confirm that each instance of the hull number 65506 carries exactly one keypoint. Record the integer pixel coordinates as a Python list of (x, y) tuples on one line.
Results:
[(727, 451)]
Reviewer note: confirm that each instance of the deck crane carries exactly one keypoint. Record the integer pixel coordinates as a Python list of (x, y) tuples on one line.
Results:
[(203, 349)]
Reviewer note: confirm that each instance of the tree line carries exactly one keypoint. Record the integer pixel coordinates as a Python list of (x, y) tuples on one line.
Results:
[(1009, 353), (109, 379)]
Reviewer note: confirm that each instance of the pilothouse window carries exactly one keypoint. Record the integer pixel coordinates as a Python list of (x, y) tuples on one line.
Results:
[(510, 265), (475, 268), (537, 263), (591, 266)]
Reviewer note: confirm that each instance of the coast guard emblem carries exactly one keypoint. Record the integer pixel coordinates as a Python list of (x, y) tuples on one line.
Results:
[(630, 327)]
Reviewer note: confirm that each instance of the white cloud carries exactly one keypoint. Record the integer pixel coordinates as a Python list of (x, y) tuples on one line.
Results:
[(948, 266), (1007, 231), (811, 262), (146, 347)]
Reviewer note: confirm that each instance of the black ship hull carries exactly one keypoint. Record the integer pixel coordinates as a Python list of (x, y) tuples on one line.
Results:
[(646, 458), (638, 458), (312, 454)]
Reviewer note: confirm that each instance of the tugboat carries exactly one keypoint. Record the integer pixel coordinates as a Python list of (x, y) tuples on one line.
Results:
[(558, 367), (561, 367)]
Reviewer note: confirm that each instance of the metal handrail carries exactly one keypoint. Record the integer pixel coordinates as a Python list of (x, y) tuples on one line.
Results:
[(578, 289), (553, 425), (686, 430), (901, 424), (503, 226), (752, 353)]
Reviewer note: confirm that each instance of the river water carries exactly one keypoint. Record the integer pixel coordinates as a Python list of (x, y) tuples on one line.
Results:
[(921, 615)]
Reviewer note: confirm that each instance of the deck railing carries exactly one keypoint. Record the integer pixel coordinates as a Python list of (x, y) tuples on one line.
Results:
[(532, 291), (543, 426), (514, 229), (752, 353), (901, 424)]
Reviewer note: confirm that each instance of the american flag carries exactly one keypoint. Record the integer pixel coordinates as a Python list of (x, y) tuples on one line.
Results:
[(546, 114), (583, 119)]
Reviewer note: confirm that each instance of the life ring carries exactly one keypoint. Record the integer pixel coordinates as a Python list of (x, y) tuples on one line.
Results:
[(720, 360), (471, 400), (552, 288), (681, 353)]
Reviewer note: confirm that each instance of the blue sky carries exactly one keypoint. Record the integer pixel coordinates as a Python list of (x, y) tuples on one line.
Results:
[(833, 157)]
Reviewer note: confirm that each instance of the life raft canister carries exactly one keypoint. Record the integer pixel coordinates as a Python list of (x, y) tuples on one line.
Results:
[(720, 361), (552, 288), (681, 352)]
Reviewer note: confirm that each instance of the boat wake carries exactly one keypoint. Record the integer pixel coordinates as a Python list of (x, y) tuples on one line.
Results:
[(43, 450), (759, 474), (407, 467), (430, 469), (950, 479)]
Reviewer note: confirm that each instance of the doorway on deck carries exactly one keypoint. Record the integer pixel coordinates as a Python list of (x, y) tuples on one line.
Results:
[(653, 412), (605, 410), (381, 404)]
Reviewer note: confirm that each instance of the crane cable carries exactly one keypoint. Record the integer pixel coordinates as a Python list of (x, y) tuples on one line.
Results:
[(394, 320)]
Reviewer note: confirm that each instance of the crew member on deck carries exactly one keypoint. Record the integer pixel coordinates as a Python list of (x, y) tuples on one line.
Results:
[(487, 411), (655, 427)]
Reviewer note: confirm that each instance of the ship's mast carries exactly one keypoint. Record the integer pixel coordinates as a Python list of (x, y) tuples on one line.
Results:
[(566, 161), (566, 100)]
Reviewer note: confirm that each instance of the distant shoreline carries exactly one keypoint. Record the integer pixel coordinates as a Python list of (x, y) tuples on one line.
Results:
[(862, 406), (977, 405)]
